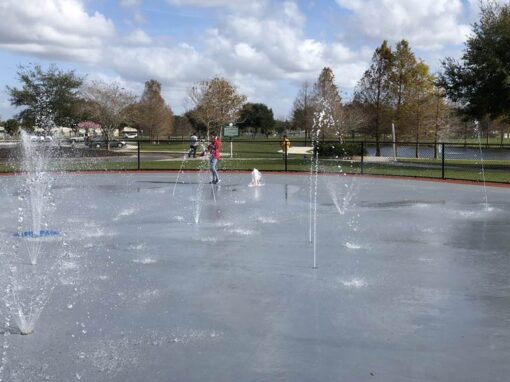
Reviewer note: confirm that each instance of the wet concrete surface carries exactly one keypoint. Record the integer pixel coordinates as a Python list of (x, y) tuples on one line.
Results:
[(412, 281)]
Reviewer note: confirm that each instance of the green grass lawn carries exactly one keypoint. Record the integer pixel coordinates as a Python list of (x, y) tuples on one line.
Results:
[(487, 164), (240, 149), (6, 168), (265, 156)]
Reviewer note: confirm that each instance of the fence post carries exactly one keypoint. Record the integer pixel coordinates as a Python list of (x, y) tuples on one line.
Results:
[(362, 156), (285, 154), (138, 153), (442, 160)]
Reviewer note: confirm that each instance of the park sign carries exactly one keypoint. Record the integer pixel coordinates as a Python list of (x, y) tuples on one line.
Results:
[(230, 131)]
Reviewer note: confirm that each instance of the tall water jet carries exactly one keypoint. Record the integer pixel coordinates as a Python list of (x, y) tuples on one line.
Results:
[(315, 180), (325, 119), (30, 283), (185, 157), (201, 176), (36, 193), (478, 134)]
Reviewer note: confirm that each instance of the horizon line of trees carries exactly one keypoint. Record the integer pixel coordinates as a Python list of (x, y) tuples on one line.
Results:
[(396, 93)]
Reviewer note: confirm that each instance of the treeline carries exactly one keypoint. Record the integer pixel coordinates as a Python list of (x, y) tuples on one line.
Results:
[(397, 90), (54, 97), (469, 98), (397, 93)]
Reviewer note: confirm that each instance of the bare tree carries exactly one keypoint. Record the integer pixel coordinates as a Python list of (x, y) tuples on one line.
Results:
[(354, 118), (215, 103), (109, 105), (303, 109)]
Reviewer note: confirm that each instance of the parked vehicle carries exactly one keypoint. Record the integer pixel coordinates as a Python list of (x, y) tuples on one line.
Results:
[(130, 135), (77, 139), (41, 138), (101, 143)]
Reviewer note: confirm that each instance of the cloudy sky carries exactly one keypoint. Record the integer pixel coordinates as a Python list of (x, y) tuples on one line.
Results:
[(267, 48)]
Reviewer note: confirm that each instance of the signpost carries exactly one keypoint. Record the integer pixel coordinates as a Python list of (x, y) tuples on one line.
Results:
[(231, 131)]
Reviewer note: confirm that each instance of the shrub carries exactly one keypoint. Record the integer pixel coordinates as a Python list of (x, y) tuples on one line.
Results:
[(340, 150)]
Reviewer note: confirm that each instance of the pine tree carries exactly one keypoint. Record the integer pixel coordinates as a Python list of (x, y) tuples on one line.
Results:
[(374, 90), (402, 73), (327, 105), (419, 103), (154, 116)]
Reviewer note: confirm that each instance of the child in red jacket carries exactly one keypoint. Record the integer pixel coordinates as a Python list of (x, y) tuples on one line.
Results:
[(214, 157)]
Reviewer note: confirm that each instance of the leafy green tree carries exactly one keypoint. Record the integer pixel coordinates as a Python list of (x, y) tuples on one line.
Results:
[(282, 126), (196, 123), (373, 91), (48, 96), (480, 81), (258, 117), (182, 126), (11, 126)]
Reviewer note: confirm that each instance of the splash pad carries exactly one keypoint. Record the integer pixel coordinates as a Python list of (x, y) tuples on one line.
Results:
[(410, 283)]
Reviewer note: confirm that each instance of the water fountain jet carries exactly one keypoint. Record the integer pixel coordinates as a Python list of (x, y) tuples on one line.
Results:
[(256, 178)]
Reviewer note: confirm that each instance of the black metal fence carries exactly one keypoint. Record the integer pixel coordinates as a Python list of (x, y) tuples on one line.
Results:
[(442, 160), (461, 161)]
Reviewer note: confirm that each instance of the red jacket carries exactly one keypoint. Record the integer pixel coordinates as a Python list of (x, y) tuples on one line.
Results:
[(214, 148)]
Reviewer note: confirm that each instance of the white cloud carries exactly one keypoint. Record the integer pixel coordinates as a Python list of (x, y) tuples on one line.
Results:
[(273, 46), (175, 64), (59, 28), (426, 24), (138, 37)]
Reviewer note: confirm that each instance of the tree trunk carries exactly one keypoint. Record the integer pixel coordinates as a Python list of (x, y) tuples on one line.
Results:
[(377, 143), (465, 135), (417, 151)]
